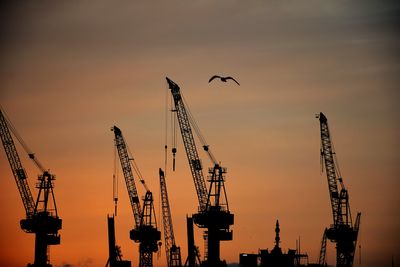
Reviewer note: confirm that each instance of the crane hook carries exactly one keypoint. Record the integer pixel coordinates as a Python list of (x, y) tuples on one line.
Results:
[(173, 158)]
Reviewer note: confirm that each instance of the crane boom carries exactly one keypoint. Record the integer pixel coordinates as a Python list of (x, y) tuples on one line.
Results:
[(166, 214), (173, 253), (322, 252), (327, 154), (128, 174), (19, 173), (190, 145)]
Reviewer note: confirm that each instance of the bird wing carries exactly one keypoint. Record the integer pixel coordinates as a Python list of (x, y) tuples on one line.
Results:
[(232, 79), (213, 77)]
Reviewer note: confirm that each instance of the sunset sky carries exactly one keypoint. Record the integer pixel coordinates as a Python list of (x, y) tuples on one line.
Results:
[(70, 70)]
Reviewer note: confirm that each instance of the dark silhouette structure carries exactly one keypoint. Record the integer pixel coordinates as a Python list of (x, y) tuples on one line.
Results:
[(114, 251), (193, 258), (41, 215), (248, 260), (342, 231), (223, 79), (274, 258), (172, 251), (145, 232), (214, 214)]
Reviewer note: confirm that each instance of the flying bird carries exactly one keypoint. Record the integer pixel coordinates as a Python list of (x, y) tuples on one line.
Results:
[(223, 79)]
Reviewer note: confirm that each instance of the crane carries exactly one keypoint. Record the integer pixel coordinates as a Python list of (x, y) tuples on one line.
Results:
[(41, 215), (342, 231), (214, 214), (145, 232), (173, 252)]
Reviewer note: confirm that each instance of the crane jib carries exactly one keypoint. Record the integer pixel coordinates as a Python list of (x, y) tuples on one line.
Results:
[(327, 155), (18, 171), (128, 174), (172, 251), (190, 146)]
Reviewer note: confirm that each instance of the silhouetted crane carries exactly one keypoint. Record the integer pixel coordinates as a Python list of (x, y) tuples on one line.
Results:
[(41, 216), (145, 231), (214, 214), (342, 232), (172, 251)]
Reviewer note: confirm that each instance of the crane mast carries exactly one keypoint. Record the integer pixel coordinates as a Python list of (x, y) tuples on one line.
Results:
[(342, 232), (173, 252), (145, 232), (41, 219), (214, 214)]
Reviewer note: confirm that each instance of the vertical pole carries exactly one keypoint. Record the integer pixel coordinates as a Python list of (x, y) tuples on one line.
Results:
[(190, 240), (40, 249), (111, 241)]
